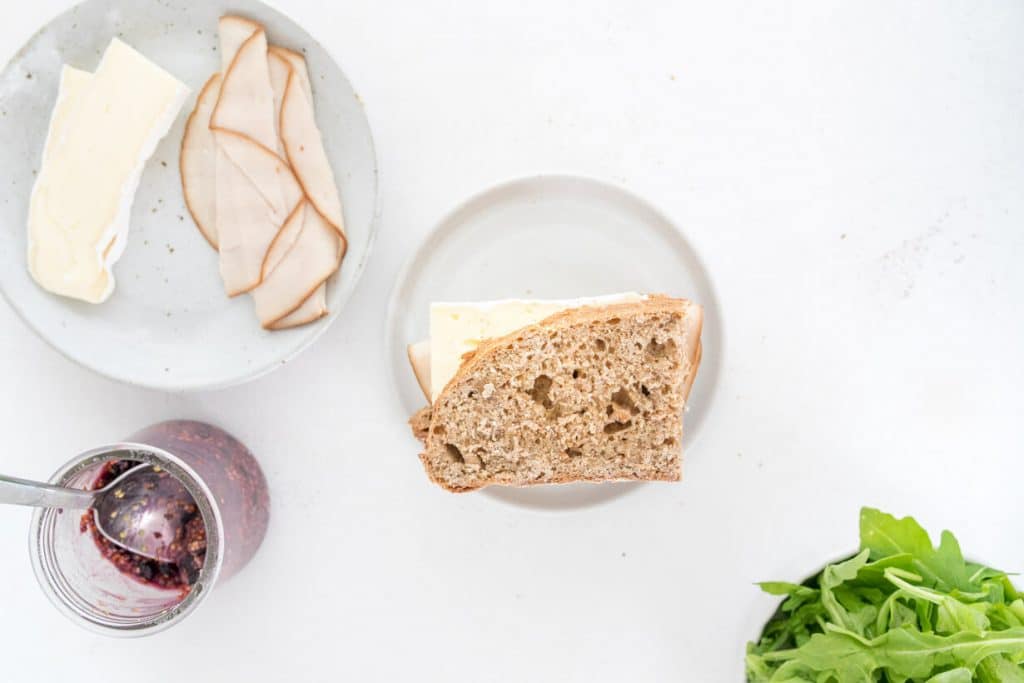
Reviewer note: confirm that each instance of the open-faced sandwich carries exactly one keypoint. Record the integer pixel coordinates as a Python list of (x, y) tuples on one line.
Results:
[(549, 392)]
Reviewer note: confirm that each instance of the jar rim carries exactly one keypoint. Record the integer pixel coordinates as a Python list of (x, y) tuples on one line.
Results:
[(46, 564)]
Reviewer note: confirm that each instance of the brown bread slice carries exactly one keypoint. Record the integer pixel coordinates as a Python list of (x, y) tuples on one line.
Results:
[(589, 394)]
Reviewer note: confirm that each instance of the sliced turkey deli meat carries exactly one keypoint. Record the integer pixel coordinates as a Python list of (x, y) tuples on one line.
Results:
[(419, 359), (249, 207), (232, 31), (305, 150), (282, 64), (298, 64), (313, 308), (198, 162), (271, 174), (280, 70), (246, 103), (248, 220), (280, 237), (244, 227), (315, 305), (313, 257)]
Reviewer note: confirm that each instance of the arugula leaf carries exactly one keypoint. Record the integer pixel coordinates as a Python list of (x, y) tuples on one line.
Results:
[(952, 615), (900, 611), (798, 594), (911, 652), (903, 653), (836, 575), (999, 669), (1005, 616), (884, 535), (957, 675)]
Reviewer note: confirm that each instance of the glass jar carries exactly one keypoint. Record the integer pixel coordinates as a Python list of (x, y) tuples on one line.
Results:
[(223, 479)]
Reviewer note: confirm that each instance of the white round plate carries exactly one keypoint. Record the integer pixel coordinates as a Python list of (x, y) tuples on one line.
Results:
[(168, 324), (552, 237)]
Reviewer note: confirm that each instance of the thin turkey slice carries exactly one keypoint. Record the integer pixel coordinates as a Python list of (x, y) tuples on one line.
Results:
[(246, 224), (314, 255), (419, 359), (197, 162), (280, 248), (315, 305), (298, 64), (280, 70), (283, 63), (304, 148), (285, 239), (312, 309), (246, 103), (232, 31), (270, 173)]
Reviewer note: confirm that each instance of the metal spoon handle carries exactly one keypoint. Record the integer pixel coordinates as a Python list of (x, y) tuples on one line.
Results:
[(37, 494)]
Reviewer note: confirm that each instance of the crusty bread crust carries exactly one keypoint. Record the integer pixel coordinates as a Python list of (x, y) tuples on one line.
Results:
[(420, 424), (652, 304), (686, 343)]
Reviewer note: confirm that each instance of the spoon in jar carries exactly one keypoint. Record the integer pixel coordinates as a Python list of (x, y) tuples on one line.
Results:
[(144, 510)]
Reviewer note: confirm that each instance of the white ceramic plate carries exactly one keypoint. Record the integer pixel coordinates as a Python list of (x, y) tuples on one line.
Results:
[(552, 237), (168, 324)]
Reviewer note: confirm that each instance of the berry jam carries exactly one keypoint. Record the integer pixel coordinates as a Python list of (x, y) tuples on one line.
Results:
[(189, 548), (233, 476)]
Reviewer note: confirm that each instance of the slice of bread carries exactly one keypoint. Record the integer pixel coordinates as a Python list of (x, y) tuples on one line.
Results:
[(589, 394)]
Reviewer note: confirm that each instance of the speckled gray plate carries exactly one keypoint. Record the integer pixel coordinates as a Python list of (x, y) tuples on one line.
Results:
[(168, 324)]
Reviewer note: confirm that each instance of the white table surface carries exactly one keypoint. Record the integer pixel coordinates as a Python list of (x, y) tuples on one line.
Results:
[(852, 173)]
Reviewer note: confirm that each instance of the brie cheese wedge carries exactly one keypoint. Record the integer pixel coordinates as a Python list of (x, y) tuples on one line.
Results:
[(103, 129)]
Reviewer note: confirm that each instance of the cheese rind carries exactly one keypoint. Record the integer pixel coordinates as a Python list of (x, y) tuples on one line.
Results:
[(103, 130), (458, 328)]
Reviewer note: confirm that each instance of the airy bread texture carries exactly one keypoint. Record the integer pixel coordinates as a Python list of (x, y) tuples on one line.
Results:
[(589, 394)]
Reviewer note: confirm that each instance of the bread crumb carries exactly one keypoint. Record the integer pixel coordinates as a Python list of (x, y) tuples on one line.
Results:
[(488, 390)]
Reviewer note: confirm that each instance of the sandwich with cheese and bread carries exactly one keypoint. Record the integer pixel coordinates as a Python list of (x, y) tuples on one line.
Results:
[(551, 392)]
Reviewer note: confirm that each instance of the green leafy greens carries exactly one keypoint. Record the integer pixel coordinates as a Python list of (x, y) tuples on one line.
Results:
[(900, 611)]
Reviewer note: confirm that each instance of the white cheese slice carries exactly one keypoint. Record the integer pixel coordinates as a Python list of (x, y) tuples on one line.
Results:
[(73, 83), (458, 328), (103, 130)]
